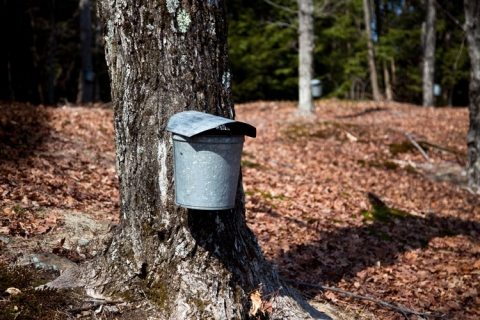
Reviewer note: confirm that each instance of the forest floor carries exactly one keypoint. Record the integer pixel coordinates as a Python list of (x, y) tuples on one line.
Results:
[(344, 200)]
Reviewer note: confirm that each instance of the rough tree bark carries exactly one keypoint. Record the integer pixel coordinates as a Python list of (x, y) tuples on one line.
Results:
[(472, 29), (370, 52), (85, 81), (305, 55), (429, 54), (165, 57)]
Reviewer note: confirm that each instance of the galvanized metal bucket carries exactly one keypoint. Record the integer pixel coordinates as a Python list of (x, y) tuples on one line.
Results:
[(207, 159), (206, 171), (316, 88)]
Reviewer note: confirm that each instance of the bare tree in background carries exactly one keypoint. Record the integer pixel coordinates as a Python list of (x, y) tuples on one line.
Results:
[(307, 11), (429, 39), (370, 51), (472, 30), (86, 77), (305, 57)]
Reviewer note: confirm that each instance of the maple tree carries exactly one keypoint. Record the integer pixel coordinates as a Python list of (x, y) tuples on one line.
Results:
[(187, 263)]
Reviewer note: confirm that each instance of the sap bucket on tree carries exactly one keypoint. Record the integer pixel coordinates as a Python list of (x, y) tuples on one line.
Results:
[(207, 152), (316, 88)]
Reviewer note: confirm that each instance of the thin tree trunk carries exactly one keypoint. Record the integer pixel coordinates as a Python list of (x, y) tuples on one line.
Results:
[(86, 78), (379, 17), (97, 36), (394, 72), (305, 63), (388, 85), (164, 58), (429, 54), (370, 52), (472, 29), (51, 88)]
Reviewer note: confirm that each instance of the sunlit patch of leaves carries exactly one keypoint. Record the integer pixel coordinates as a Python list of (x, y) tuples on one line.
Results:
[(319, 234)]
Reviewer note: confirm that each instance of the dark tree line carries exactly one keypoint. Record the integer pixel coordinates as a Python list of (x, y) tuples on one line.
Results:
[(41, 59), (41, 56)]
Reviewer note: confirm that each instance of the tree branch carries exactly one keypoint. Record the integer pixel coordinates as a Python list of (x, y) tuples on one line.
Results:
[(282, 24), (405, 311), (327, 8), (449, 15), (276, 5), (459, 54), (424, 154)]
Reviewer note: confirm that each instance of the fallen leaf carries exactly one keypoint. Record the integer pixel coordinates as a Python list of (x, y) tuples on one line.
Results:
[(13, 291), (331, 296), (256, 299)]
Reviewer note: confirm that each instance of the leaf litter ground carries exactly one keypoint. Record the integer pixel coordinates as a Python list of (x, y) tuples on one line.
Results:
[(344, 199)]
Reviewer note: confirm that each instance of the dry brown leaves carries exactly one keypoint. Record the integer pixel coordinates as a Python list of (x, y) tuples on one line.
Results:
[(262, 305), (54, 158), (306, 184)]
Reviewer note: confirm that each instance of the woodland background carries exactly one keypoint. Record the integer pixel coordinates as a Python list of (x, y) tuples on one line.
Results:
[(41, 58)]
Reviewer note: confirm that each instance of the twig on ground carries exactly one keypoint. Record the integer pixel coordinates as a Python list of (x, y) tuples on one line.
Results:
[(434, 145), (98, 301), (280, 163), (405, 311), (470, 190), (437, 146), (93, 304), (424, 154)]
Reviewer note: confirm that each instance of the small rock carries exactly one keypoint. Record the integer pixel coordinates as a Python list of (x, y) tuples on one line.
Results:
[(47, 261), (83, 242), (13, 291), (113, 309), (4, 239)]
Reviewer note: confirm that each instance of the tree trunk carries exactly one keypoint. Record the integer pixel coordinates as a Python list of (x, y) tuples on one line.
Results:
[(388, 84), (394, 73), (51, 87), (163, 58), (305, 63), (85, 81), (472, 29), (370, 52), (429, 54)]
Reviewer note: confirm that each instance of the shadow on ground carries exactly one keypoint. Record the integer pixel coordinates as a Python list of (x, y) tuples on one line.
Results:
[(344, 252), (23, 130), (361, 113)]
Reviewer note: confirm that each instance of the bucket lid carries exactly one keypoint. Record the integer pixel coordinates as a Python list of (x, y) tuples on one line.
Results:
[(190, 123)]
